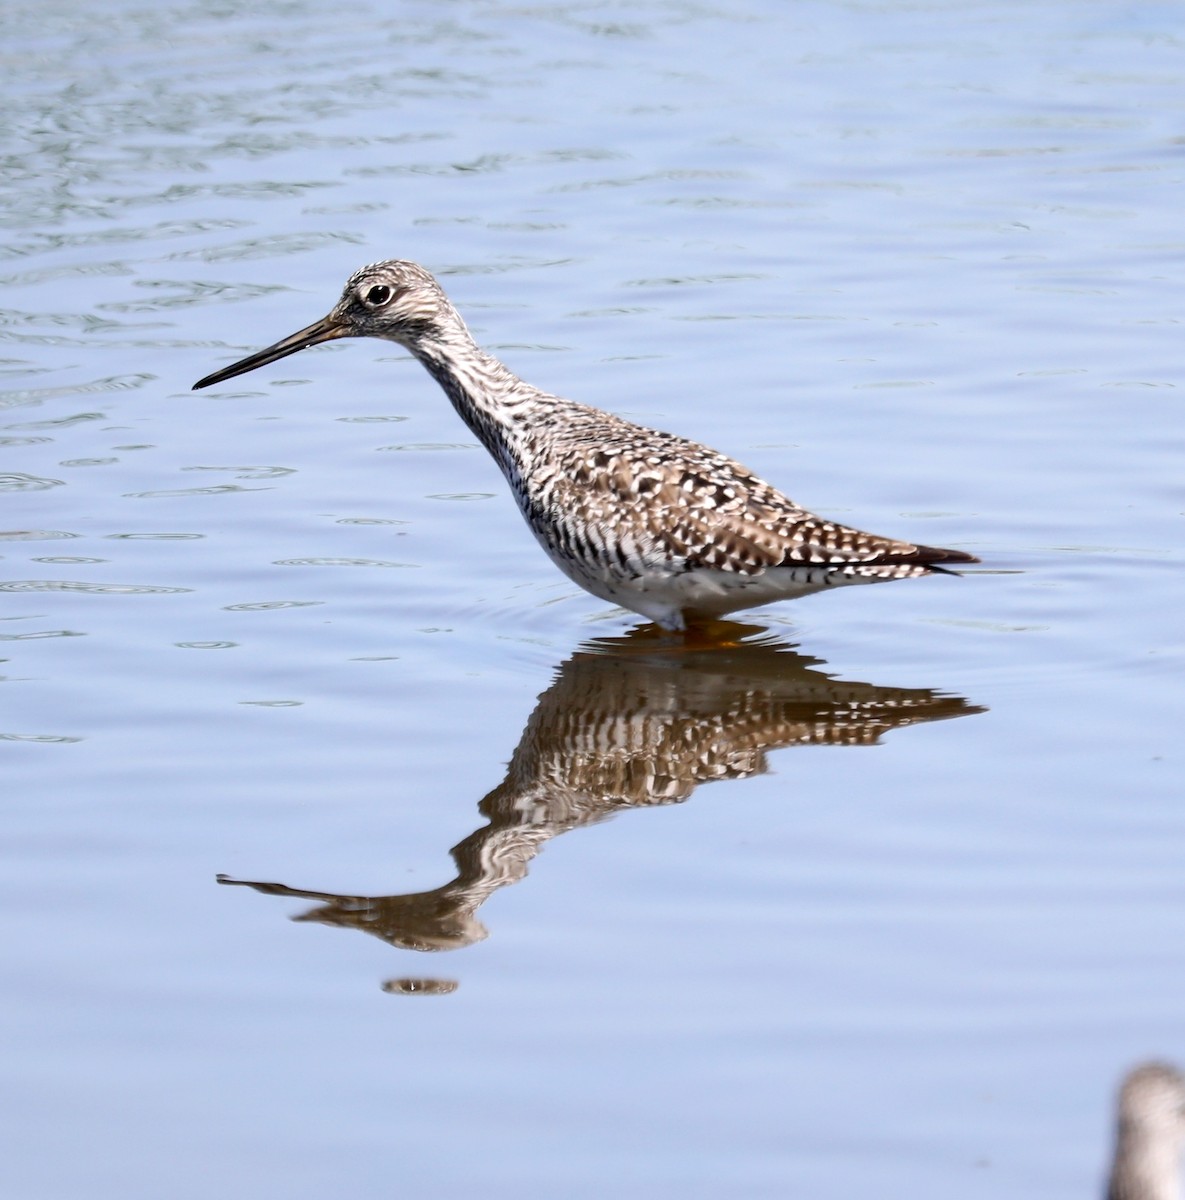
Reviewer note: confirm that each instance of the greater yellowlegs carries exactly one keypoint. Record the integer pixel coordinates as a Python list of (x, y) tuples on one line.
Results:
[(1150, 1135), (660, 525), (617, 730)]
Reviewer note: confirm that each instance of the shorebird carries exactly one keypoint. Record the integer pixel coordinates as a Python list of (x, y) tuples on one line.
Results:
[(655, 523), (1150, 1135), (624, 726)]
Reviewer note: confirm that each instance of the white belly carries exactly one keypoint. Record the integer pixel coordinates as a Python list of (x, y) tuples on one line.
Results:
[(670, 599)]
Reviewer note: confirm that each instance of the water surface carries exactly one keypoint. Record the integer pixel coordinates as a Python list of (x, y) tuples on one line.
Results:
[(881, 898)]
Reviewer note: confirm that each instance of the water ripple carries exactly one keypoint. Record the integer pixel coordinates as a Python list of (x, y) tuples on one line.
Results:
[(266, 247), (339, 562), (250, 472), (111, 383), (41, 633), (96, 589), (184, 293), (214, 489), (370, 521), (17, 481), (60, 738), (34, 535), (124, 233), (156, 537), (71, 559), (70, 271), (270, 605), (61, 422), (86, 322), (367, 420)]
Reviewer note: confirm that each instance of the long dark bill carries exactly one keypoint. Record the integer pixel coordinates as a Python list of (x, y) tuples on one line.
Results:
[(324, 330)]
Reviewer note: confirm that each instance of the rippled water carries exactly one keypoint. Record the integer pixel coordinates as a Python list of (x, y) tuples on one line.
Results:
[(281, 663)]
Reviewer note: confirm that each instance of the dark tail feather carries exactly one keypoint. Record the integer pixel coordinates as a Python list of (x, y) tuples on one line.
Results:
[(933, 557)]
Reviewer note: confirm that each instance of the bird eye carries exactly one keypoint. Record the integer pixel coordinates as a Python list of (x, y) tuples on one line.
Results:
[(378, 295)]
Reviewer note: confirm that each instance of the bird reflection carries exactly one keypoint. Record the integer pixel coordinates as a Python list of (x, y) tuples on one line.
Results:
[(630, 722), (1149, 1135)]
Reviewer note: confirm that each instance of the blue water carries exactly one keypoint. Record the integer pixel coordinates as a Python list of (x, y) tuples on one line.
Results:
[(881, 899)]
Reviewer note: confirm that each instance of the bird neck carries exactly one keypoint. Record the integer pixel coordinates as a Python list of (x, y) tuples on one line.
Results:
[(488, 397)]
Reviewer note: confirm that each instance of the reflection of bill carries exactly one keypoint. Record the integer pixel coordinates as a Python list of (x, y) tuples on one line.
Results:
[(1149, 1135), (631, 722)]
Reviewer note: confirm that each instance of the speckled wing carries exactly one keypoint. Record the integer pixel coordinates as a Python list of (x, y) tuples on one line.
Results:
[(665, 499), (766, 529)]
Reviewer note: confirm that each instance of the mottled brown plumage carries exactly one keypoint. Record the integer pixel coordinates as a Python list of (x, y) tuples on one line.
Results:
[(663, 526)]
